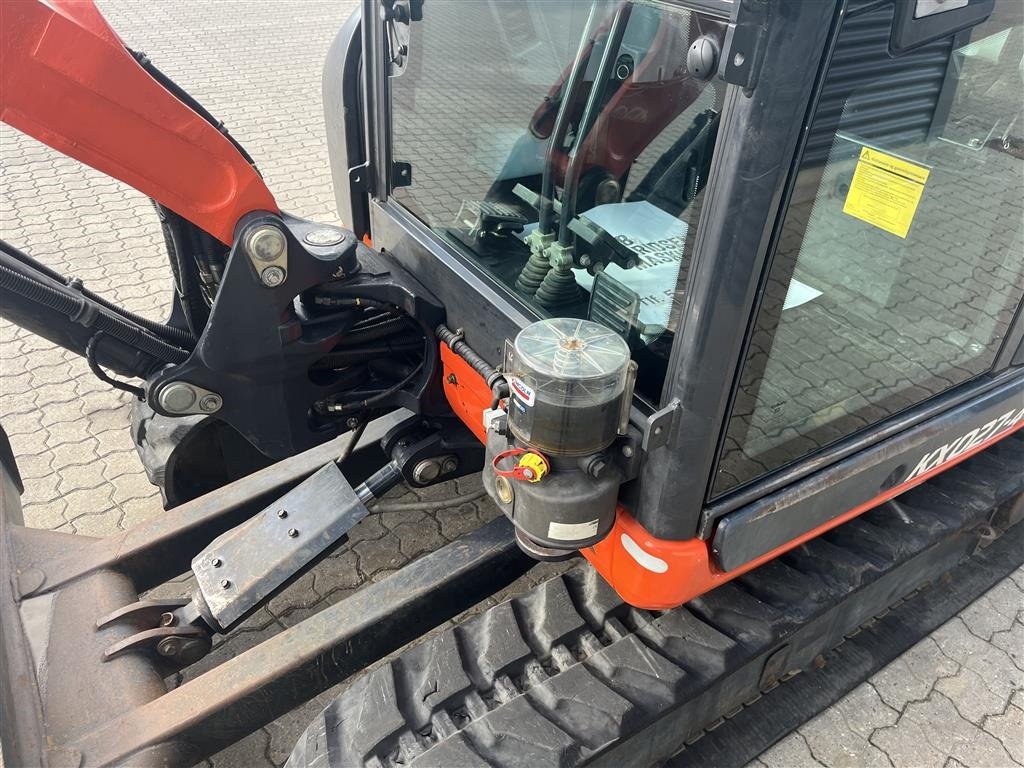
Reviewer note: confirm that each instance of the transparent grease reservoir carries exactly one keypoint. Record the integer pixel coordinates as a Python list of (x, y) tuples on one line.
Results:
[(568, 381)]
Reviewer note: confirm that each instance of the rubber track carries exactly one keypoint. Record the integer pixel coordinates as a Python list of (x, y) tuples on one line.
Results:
[(567, 674)]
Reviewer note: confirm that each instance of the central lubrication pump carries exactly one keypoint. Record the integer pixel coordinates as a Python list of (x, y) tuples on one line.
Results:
[(549, 465)]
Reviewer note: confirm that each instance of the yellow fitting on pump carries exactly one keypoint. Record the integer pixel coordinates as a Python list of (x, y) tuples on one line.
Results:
[(534, 467)]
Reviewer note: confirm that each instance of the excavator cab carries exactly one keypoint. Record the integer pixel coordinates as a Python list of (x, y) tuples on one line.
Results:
[(804, 223), (721, 301)]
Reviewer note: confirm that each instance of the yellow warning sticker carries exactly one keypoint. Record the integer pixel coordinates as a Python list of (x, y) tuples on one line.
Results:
[(885, 191)]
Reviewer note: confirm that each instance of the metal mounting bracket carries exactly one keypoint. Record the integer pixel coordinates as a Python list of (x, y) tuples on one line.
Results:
[(401, 174), (745, 38), (659, 427), (359, 179)]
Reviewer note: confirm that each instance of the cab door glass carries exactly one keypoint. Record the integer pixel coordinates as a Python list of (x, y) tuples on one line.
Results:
[(572, 132), (900, 263)]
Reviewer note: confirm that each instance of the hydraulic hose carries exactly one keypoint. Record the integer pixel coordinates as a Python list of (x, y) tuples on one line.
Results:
[(177, 336), (183, 242), (494, 378), (82, 310), (379, 330), (431, 506), (383, 326), (371, 398), (184, 96), (345, 357)]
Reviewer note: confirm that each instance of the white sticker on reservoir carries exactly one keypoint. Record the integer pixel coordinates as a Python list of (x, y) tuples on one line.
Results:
[(645, 559), (572, 531), (523, 391)]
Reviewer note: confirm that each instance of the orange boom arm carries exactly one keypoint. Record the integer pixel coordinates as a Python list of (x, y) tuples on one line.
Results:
[(68, 80)]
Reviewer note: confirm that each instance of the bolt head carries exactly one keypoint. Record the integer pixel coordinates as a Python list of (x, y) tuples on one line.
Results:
[(292, 533), (210, 403), (167, 619), (169, 646), (177, 397), (225, 583), (627, 451), (282, 513), (449, 465), (272, 276), (216, 562), (266, 243)]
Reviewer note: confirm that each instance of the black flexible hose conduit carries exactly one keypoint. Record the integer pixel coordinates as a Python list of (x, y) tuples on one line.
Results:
[(372, 332), (67, 301), (182, 254), (345, 357), (371, 329), (371, 398), (99, 373), (495, 379), (177, 336), (431, 506), (185, 97)]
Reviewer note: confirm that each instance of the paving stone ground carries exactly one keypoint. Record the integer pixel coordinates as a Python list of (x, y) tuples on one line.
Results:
[(956, 699)]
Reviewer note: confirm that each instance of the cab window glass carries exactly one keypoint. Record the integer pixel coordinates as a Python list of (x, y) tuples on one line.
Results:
[(571, 132), (901, 261)]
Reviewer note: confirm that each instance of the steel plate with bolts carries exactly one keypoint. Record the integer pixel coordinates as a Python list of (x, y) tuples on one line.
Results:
[(246, 564)]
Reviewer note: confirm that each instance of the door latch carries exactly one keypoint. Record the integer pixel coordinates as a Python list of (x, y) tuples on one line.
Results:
[(398, 14)]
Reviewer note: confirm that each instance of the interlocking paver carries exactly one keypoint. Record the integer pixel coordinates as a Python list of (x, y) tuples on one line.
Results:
[(81, 476), (340, 571), (251, 752), (48, 514), (945, 734), (913, 674), (457, 521), (88, 501), (793, 752), (840, 735), (1008, 727), (300, 594), (378, 554), (70, 432), (971, 696), (101, 524), (991, 663), (953, 699), (1012, 641), (1008, 600)]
